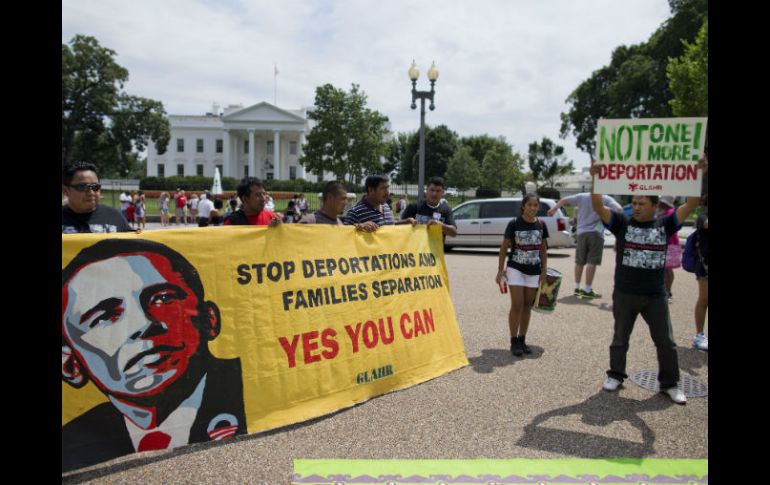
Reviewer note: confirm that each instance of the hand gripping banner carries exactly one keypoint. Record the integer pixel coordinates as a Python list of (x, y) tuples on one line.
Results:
[(182, 336)]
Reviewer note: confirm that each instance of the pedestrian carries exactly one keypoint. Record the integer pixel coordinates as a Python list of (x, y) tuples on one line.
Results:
[(82, 212), (373, 206), (401, 205), (139, 210), (590, 239), (131, 213), (252, 193), (270, 204), (205, 206), (181, 207), (192, 205), (334, 197), (163, 204), (673, 249), (526, 269), (434, 209), (216, 216), (124, 201), (232, 205), (291, 213), (639, 284), (700, 341), (303, 206)]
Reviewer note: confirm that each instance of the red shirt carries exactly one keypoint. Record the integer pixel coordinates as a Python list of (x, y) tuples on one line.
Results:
[(261, 219), (181, 202)]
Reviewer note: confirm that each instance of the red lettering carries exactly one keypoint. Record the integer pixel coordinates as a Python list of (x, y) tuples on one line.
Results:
[(309, 346), (418, 328), (405, 317), (428, 316), (602, 172), (383, 334), (328, 341), (290, 349), (353, 335), (370, 341)]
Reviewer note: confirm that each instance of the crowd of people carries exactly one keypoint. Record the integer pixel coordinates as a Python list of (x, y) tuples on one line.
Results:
[(647, 249)]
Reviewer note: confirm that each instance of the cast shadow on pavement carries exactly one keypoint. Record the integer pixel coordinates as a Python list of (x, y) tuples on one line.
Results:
[(690, 360), (574, 300), (491, 358), (601, 409)]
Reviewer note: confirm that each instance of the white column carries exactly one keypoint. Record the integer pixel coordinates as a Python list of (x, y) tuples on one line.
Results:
[(300, 152), (227, 149), (252, 155), (277, 154), (234, 157)]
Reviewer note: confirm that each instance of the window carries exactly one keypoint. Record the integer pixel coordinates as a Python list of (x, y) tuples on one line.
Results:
[(543, 210), (509, 209), (180, 169), (470, 211), (161, 170), (219, 145), (292, 148), (246, 146), (292, 173), (199, 170), (199, 145), (269, 176), (270, 147), (245, 170), (221, 170), (180, 145)]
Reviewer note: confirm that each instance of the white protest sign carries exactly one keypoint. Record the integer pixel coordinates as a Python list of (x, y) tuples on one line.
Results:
[(652, 156)]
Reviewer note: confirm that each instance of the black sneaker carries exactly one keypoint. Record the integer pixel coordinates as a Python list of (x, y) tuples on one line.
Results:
[(524, 347), (516, 347)]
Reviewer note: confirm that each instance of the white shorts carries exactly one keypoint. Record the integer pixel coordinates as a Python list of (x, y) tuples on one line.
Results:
[(517, 278)]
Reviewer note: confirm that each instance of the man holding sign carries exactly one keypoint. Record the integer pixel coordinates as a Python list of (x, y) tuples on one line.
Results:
[(639, 283)]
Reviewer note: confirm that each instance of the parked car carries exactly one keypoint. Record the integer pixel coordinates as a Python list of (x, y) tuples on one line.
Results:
[(451, 192), (482, 222)]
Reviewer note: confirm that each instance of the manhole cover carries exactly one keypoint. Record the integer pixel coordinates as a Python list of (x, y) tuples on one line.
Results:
[(690, 386)]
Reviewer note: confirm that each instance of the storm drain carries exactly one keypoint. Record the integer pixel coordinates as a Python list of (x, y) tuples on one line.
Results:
[(690, 386)]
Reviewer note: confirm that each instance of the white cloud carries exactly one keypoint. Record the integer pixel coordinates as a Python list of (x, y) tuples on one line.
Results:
[(506, 66)]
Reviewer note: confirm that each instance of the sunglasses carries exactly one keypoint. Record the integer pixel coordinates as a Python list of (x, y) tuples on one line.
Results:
[(85, 187)]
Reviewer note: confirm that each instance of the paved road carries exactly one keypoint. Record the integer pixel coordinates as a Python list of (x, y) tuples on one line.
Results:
[(547, 405)]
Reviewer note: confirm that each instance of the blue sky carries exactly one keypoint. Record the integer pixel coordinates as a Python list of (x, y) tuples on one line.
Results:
[(506, 66)]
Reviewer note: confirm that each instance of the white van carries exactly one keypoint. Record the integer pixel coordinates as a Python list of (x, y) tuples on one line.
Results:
[(482, 222)]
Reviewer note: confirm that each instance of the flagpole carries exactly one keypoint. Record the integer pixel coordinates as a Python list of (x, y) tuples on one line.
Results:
[(275, 84)]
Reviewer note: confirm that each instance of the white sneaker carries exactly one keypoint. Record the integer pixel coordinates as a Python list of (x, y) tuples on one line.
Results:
[(676, 395), (611, 384), (700, 342)]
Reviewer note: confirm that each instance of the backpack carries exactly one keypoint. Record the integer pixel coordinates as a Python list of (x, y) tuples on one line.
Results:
[(688, 257)]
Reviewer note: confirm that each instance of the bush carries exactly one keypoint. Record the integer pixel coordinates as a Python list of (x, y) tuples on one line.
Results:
[(199, 184), (549, 193), (487, 193)]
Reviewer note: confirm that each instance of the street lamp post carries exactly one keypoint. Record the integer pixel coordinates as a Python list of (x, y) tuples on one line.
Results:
[(414, 73)]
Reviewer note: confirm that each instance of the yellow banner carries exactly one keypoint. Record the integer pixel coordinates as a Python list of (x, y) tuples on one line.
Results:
[(178, 336)]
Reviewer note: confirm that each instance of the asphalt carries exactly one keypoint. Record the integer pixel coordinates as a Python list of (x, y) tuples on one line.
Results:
[(546, 405)]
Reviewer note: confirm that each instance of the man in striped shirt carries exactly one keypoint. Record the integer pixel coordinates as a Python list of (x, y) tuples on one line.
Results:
[(372, 211)]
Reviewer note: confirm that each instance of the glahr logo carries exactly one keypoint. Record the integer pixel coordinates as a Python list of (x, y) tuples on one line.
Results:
[(635, 187)]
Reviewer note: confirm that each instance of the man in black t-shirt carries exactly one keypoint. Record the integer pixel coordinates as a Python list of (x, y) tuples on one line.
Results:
[(82, 213), (639, 284), (432, 210)]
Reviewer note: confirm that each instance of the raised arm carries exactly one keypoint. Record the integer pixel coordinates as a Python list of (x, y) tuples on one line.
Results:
[(597, 201), (692, 203), (558, 206)]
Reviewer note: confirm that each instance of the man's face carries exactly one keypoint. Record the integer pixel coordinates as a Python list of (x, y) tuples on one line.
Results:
[(129, 320), (434, 194), (643, 208), (255, 201), (380, 194), (335, 202), (82, 202)]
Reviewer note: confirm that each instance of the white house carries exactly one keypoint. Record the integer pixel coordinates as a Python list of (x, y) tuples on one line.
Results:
[(262, 141)]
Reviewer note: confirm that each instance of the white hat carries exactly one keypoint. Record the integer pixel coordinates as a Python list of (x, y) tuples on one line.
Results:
[(667, 200)]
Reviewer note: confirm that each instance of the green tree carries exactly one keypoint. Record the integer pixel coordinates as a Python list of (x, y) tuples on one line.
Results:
[(463, 170), (348, 139), (546, 162), (501, 168), (688, 77), (634, 84), (100, 122), (440, 145)]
